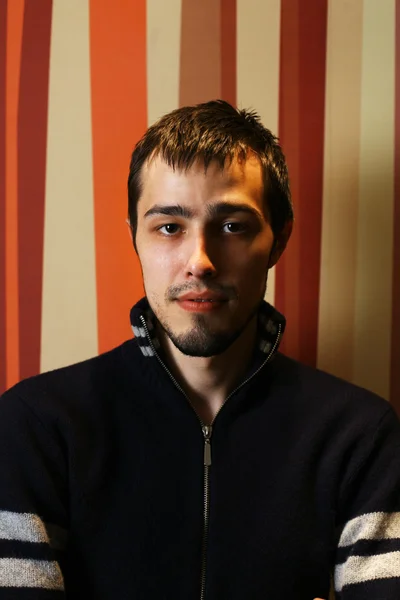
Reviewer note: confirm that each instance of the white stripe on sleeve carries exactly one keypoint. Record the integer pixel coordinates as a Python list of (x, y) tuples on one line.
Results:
[(24, 573), (359, 569), (371, 526)]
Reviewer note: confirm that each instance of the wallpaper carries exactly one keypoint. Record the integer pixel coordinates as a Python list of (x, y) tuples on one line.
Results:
[(80, 81)]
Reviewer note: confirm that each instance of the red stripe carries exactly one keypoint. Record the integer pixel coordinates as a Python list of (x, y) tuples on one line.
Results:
[(3, 38), (287, 272), (228, 51), (32, 141), (302, 113), (395, 363), (119, 118)]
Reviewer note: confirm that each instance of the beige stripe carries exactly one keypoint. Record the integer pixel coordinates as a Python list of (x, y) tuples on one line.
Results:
[(258, 52), (375, 215), (69, 326), (358, 569), (340, 195), (163, 56), (24, 573), (371, 526)]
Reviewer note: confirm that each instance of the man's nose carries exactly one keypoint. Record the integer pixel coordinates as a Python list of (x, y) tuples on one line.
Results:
[(200, 264)]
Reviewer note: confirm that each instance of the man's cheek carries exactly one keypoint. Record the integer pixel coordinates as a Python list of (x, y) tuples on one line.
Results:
[(254, 273)]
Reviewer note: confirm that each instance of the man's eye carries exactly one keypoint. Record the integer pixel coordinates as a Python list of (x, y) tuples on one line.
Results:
[(169, 229), (233, 227)]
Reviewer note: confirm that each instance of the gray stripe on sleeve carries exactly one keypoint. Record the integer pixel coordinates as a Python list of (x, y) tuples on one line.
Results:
[(23, 573), (371, 526), (24, 527), (27, 527), (359, 569)]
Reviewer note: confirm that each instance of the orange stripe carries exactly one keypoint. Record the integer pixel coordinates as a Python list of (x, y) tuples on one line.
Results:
[(200, 64), (3, 29), (15, 16), (119, 118)]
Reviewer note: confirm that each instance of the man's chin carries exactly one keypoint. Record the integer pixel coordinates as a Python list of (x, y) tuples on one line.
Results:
[(197, 343)]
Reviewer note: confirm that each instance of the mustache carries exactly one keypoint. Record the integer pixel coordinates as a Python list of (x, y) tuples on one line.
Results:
[(174, 291)]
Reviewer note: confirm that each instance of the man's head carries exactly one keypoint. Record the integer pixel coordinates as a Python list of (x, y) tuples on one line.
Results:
[(210, 213)]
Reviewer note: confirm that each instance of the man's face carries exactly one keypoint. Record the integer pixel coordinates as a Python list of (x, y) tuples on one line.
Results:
[(204, 243)]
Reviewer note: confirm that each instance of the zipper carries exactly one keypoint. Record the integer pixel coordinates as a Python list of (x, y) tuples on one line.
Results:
[(207, 432)]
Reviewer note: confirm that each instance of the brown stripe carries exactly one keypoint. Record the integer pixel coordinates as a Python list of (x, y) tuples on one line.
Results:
[(302, 109), (3, 38), (32, 138), (228, 50), (15, 16), (200, 61), (395, 350), (288, 269)]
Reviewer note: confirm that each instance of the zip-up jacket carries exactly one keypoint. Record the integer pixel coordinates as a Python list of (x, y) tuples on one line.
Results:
[(112, 488)]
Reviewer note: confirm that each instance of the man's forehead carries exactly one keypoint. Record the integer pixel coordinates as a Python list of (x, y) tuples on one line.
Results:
[(202, 191), (233, 172)]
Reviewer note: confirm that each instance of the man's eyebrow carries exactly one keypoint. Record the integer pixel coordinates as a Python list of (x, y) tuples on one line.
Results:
[(174, 210), (221, 209), (218, 209)]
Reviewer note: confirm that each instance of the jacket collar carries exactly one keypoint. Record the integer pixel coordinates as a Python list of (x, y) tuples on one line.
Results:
[(271, 325)]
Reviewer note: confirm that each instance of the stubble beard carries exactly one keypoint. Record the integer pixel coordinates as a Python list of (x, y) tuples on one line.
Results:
[(201, 340)]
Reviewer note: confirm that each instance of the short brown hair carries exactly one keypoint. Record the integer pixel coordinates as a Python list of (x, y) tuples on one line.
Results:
[(214, 131)]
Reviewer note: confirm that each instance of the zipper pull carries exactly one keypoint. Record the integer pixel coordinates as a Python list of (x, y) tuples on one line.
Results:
[(207, 430)]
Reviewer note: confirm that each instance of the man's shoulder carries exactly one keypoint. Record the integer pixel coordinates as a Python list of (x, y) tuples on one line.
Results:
[(322, 390), (79, 382)]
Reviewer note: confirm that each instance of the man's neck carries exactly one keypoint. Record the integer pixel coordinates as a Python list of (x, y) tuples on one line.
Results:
[(208, 381)]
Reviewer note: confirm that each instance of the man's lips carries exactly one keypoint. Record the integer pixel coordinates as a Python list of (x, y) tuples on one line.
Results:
[(202, 297), (201, 302)]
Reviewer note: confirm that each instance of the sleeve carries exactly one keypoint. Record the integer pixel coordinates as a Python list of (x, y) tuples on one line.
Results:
[(33, 513), (368, 549)]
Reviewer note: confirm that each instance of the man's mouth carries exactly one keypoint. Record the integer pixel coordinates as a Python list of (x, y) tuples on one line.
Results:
[(206, 296), (201, 302)]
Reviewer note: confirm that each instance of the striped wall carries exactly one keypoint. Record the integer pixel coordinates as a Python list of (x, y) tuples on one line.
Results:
[(79, 83)]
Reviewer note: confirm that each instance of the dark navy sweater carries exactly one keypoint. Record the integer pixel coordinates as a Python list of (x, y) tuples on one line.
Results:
[(111, 487)]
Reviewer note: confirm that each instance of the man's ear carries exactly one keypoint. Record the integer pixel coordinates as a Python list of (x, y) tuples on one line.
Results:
[(279, 244), (129, 229)]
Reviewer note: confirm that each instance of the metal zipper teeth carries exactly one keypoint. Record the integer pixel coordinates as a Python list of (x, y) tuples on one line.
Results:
[(206, 509), (207, 432)]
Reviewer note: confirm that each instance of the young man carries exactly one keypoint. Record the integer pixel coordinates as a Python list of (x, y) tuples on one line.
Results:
[(195, 461)]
